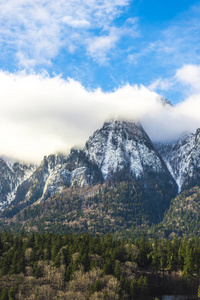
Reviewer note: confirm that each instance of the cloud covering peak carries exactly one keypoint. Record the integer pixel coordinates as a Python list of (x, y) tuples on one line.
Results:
[(40, 115)]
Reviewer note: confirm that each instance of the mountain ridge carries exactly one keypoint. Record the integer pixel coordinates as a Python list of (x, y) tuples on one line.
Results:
[(182, 158), (119, 175)]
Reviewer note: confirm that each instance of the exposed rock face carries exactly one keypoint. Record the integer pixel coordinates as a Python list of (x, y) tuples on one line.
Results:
[(119, 150), (7, 182), (55, 173), (32, 188), (139, 181), (182, 158), (76, 171), (11, 176), (124, 148), (122, 145)]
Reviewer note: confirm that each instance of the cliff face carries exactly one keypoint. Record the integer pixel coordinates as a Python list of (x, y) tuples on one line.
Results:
[(119, 154), (11, 176), (182, 158)]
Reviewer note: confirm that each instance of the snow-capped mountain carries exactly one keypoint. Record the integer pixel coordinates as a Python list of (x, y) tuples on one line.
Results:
[(164, 101), (75, 171), (12, 174), (182, 158), (32, 189), (118, 148), (119, 175), (124, 148), (55, 173), (119, 145)]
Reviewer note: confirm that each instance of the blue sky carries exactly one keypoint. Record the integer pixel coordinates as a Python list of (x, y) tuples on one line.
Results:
[(67, 66), (102, 43)]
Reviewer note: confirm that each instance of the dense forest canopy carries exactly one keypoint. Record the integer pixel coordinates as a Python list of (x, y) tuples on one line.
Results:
[(96, 267)]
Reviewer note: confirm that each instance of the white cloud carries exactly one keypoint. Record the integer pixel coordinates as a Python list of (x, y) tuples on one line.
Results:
[(186, 79), (161, 84), (40, 115), (75, 23), (189, 78), (185, 115), (189, 75), (36, 30), (99, 46)]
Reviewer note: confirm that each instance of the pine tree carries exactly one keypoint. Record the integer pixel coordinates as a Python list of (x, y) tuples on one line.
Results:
[(107, 268), (141, 257), (117, 271), (143, 286), (105, 296), (97, 286), (69, 272), (133, 288), (188, 262), (37, 271), (4, 294), (11, 294), (172, 257), (199, 292), (57, 260), (155, 255)]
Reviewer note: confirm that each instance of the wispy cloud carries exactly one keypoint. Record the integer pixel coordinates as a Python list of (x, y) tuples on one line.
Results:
[(35, 31), (161, 84), (100, 46), (179, 43), (176, 45)]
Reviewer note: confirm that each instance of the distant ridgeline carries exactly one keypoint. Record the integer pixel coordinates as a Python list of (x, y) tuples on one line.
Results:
[(68, 266), (119, 182)]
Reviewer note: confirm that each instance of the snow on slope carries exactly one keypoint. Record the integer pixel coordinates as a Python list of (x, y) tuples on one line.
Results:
[(12, 174), (118, 145), (182, 158)]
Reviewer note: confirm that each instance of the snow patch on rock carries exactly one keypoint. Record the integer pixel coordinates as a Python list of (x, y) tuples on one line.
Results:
[(180, 156), (120, 145)]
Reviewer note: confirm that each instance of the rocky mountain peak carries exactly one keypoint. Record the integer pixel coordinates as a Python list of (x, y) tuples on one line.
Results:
[(124, 146), (128, 130), (182, 158), (164, 101), (118, 151)]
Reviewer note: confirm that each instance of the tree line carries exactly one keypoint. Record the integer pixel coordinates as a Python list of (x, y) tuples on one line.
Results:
[(130, 263)]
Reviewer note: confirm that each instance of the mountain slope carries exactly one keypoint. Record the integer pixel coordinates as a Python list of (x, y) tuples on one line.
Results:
[(55, 173), (137, 186), (11, 176), (7, 182), (122, 145), (76, 170), (182, 158), (123, 150), (183, 216), (120, 207)]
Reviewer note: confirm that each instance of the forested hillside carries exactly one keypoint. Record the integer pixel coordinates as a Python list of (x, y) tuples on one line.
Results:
[(118, 182), (49, 266), (183, 216), (123, 207)]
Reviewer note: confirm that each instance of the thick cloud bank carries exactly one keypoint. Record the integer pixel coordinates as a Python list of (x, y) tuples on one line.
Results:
[(40, 115)]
